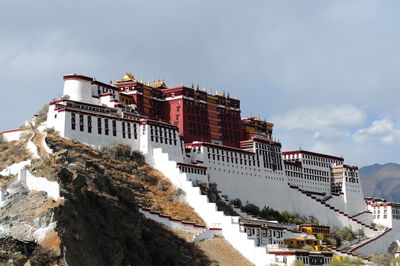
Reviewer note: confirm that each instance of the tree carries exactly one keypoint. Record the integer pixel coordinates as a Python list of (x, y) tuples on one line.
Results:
[(251, 209), (236, 203), (360, 233), (332, 241), (268, 213), (312, 220), (320, 237), (393, 247)]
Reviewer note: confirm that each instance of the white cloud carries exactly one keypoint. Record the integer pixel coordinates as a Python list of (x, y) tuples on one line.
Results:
[(384, 130), (322, 119)]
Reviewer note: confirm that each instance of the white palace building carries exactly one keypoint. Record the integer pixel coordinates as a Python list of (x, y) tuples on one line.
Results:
[(189, 134)]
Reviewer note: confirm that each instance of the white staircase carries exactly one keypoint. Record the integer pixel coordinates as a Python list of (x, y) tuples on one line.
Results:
[(209, 213)]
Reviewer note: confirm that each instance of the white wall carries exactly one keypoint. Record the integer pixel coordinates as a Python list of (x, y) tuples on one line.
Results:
[(13, 135), (207, 234), (178, 225), (62, 123), (39, 183), (208, 211), (78, 90)]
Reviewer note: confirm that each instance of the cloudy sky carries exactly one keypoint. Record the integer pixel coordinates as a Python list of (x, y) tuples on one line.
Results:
[(325, 72)]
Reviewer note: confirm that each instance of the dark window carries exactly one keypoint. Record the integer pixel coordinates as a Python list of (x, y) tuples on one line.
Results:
[(107, 130), (99, 125), (114, 125), (73, 121), (89, 121), (123, 130), (135, 130), (81, 125), (129, 130)]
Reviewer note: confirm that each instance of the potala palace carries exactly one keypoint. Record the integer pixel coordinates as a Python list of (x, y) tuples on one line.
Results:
[(191, 135)]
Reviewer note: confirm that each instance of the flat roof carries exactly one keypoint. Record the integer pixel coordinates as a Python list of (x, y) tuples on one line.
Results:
[(313, 153)]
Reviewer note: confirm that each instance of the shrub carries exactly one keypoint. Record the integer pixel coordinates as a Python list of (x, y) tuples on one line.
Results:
[(360, 233), (237, 203), (123, 152), (138, 157), (393, 247), (331, 241), (345, 261), (298, 263), (52, 131), (320, 237), (42, 115), (268, 213), (345, 234), (1, 138), (251, 209), (120, 152), (383, 260), (211, 191), (13, 152)]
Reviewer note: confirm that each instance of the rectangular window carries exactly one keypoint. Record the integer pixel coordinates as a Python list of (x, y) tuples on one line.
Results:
[(99, 125), (81, 125), (106, 128), (73, 121), (89, 122), (135, 130), (114, 125), (129, 130), (123, 130)]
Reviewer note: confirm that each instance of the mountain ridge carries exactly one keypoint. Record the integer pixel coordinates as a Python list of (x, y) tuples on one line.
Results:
[(381, 181)]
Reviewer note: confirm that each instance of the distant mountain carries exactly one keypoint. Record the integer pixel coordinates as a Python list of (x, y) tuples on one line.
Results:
[(381, 181)]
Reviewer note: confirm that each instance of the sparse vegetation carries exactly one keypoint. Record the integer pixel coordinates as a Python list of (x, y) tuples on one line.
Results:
[(344, 234), (268, 213), (1, 138), (298, 263), (340, 235), (123, 152), (119, 164), (52, 131), (5, 180), (382, 260), (345, 261), (13, 152), (42, 115)]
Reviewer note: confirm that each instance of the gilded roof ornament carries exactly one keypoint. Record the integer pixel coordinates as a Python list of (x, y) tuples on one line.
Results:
[(159, 84), (127, 77)]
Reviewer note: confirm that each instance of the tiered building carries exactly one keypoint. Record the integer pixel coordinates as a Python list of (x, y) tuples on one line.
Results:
[(203, 137), (204, 132)]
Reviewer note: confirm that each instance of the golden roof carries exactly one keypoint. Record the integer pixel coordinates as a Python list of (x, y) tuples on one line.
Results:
[(127, 77), (159, 84)]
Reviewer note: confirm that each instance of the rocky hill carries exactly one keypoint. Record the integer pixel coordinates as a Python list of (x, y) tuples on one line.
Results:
[(381, 181), (97, 221)]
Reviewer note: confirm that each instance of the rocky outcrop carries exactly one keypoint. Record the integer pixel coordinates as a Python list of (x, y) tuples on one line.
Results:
[(96, 221)]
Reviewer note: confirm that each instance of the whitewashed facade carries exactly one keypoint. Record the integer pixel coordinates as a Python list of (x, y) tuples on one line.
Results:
[(304, 183)]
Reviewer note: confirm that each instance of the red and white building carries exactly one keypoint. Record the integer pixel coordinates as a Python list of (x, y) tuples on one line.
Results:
[(384, 213), (189, 133)]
